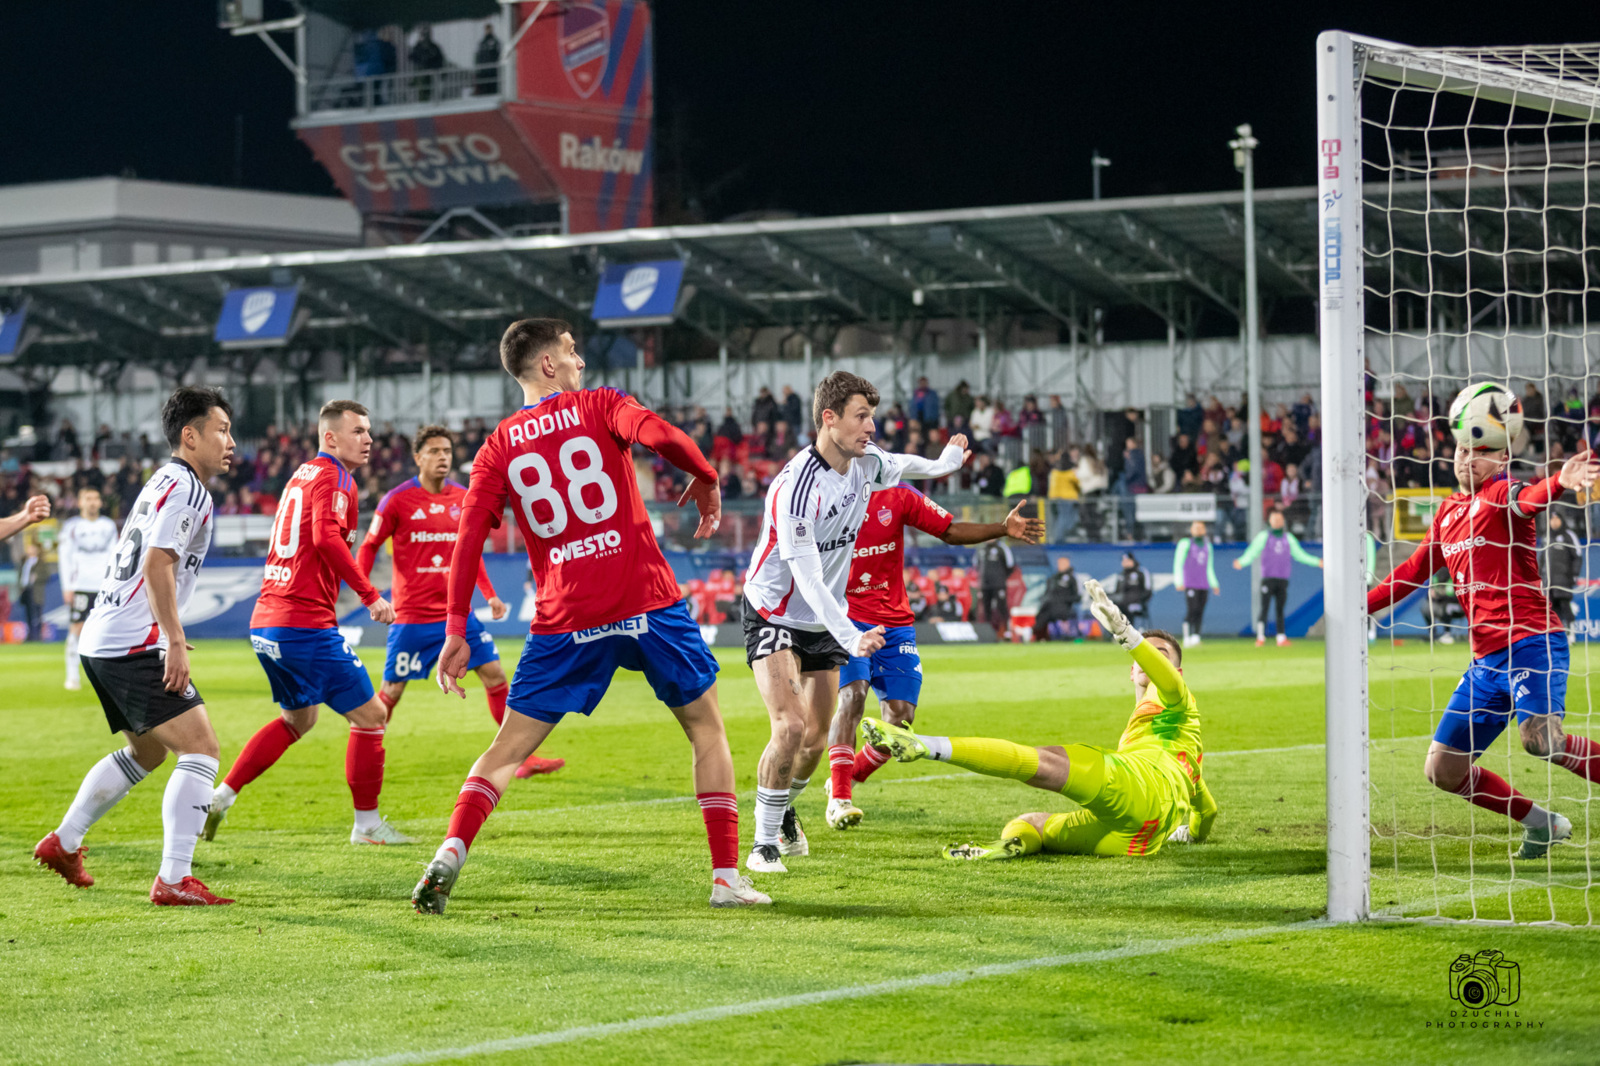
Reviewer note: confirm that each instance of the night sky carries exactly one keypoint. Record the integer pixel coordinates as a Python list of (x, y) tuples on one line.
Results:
[(820, 108)]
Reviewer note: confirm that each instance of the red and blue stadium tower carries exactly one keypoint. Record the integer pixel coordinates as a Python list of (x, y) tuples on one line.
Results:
[(562, 117)]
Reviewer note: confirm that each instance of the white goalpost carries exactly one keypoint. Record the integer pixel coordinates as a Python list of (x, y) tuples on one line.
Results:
[(1459, 224)]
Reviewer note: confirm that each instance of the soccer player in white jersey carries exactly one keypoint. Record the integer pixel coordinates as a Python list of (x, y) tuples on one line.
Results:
[(134, 653), (87, 541), (796, 630)]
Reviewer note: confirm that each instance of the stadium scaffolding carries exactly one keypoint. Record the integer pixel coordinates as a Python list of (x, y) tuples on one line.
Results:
[(1178, 258)]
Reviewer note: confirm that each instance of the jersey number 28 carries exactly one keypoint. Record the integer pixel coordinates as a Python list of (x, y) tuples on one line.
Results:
[(542, 489)]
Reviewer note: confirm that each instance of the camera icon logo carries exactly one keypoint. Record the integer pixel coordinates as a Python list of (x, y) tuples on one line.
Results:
[(1487, 979)]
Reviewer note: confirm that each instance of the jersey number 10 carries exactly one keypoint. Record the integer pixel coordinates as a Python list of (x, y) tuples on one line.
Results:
[(543, 488)]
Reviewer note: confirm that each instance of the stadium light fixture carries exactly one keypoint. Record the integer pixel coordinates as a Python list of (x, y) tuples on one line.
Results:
[(1097, 163)]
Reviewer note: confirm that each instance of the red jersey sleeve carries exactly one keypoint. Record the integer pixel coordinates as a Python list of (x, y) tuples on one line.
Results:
[(481, 511), (382, 529), (1408, 577), (1528, 500), (629, 421), (922, 513), (327, 537)]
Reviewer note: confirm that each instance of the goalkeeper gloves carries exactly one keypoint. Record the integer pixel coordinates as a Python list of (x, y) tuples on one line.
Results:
[(1111, 616)]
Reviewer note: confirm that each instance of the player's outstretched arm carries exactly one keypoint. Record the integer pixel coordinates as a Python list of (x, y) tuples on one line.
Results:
[(1162, 674), (1299, 554), (1258, 544), (1016, 526), (1408, 577), (953, 458), (37, 509)]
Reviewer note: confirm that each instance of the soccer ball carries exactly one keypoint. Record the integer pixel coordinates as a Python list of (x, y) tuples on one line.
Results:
[(1486, 417)]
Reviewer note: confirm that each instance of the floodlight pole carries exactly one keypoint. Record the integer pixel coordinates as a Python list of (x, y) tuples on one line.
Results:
[(1244, 155), (1097, 163)]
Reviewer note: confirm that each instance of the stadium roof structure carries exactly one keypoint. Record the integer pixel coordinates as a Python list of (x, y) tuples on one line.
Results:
[(1174, 257)]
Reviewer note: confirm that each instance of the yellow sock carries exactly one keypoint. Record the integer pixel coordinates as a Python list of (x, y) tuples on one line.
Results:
[(996, 758), (1032, 842)]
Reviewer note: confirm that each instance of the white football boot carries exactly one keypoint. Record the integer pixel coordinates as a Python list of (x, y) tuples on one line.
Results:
[(739, 894), (765, 859), (382, 833)]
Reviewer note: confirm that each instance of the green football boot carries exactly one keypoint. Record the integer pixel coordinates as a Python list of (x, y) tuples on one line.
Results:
[(902, 743)]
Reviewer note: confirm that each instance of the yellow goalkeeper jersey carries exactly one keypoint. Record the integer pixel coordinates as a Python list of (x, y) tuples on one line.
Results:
[(1165, 725)]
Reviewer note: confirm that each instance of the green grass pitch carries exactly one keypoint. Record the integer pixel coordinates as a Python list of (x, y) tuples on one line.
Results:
[(579, 932)]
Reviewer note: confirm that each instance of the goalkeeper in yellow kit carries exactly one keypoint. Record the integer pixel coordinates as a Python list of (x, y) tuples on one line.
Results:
[(1134, 799)]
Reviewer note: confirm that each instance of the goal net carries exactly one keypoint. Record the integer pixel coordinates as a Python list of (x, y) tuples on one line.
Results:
[(1459, 222)]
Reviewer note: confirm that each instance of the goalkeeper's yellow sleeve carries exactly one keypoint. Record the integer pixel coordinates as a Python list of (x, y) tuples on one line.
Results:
[(1205, 813), (1162, 674)]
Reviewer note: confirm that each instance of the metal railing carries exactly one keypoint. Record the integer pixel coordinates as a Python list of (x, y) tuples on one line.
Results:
[(353, 93)]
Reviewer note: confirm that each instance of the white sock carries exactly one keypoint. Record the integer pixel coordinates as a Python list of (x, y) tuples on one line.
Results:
[(938, 748), (1261, 631), (1186, 633), (224, 796), (183, 813), (797, 785), (452, 852), (1536, 818), (72, 656), (102, 789), (368, 819), (770, 805), (728, 877)]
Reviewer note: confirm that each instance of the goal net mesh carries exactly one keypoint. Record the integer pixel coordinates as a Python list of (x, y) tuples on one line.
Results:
[(1482, 260)]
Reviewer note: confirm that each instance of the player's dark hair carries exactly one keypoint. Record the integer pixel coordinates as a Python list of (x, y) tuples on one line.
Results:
[(834, 393), (334, 410), (188, 405), (427, 433), (525, 340), (1174, 642)]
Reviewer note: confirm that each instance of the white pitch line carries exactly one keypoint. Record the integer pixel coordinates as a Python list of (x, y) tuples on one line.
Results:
[(807, 999)]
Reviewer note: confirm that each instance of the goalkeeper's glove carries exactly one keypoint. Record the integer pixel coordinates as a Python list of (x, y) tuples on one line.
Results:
[(1111, 616)]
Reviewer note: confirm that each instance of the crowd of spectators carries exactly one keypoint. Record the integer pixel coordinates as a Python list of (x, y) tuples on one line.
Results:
[(1409, 444)]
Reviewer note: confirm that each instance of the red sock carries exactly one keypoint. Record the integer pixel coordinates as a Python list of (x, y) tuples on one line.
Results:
[(497, 702), (841, 763), (260, 752), (477, 800), (868, 759), (1582, 757), (388, 706), (1492, 792), (721, 812), (363, 766)]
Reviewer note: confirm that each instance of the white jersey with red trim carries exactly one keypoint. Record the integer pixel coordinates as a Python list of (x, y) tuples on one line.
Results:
[(173, 511), (811, 509)]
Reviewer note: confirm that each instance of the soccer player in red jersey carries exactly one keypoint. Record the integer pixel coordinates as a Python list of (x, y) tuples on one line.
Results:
[(876, 596), (605, 595), (295, 631), (1485, 536), (421, 517)]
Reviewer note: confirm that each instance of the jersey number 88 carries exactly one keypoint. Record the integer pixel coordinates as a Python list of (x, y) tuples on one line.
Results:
[(543, 487)]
